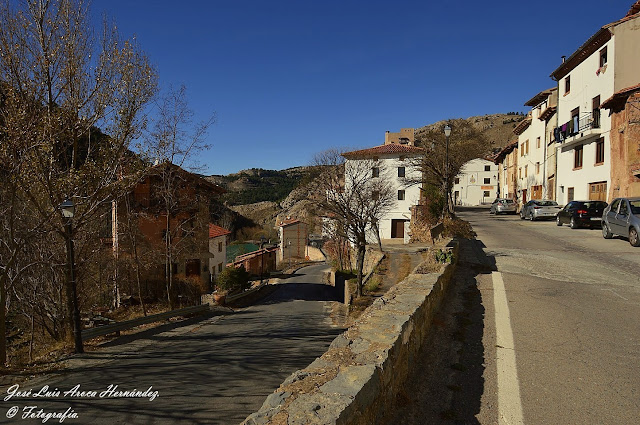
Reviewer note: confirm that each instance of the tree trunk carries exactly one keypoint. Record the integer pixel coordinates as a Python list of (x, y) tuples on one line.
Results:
[(3, 318), (376, 228), (72, 293), (137, 263), (168, 265), (360, 266), (116, 248), (31, 338), (132, 228), (446, 208)]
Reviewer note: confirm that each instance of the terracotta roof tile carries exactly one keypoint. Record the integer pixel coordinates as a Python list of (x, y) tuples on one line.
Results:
[(618, 95), (538, 98), (392, 148), (215, 231), (289, 222)]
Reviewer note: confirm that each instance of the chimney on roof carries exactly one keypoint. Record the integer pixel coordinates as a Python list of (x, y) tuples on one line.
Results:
[(564, 58)]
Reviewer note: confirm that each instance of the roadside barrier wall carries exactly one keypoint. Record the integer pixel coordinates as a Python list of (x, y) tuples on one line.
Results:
[(356, 381)]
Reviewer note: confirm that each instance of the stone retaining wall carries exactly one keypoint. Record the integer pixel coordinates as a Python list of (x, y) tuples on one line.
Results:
[(357, 379)]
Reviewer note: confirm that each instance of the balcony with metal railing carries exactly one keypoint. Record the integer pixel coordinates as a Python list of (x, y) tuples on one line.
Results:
[(581, 128)]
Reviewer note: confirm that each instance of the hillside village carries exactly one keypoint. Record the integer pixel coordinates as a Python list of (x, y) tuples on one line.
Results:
[(564, 147), (379, 284)]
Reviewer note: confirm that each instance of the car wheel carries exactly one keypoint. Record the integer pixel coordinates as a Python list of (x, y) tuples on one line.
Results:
[(634, 240), (558, 222), (605, 231), (521, 215), (573, 224), (531, 217)]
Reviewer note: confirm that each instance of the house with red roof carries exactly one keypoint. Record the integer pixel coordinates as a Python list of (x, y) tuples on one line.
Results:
[(186, 226), (393, 162), (217, 249)]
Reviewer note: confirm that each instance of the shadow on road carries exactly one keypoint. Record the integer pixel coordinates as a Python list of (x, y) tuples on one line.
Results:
[(447, 382), (467, 379), (152, 332), (302, 292)]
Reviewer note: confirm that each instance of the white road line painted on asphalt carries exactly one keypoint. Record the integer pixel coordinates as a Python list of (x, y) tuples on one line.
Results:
[(509, 402)]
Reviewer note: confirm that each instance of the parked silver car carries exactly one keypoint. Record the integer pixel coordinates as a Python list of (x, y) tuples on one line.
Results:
[(537, 209), (622, 218), (503, 206)]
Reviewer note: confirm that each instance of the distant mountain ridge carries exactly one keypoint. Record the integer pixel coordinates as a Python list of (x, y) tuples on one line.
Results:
[(258, 185), (497, 128)]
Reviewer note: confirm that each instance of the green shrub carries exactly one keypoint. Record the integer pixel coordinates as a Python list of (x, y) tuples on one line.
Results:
[(445, 256), (233, 279), (373, 283)]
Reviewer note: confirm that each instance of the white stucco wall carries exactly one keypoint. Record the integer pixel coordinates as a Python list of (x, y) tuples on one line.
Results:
[(217, 256), (471, 187), (388, 165), (585, 85)]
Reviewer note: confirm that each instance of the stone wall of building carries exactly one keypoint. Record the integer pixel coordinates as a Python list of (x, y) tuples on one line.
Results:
[(625, 149)]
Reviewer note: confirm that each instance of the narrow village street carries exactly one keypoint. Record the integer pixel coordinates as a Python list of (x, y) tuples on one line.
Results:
[(574, 307), (216, 370)]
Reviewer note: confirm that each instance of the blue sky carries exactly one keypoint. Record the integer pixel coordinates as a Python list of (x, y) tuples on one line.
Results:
[(288, 79)]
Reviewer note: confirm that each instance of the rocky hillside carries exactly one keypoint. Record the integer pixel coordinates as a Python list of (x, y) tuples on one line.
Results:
[(257, 185), (498, 128)]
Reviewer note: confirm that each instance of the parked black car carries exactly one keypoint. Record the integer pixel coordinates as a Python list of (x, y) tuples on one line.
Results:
[(581, 214)]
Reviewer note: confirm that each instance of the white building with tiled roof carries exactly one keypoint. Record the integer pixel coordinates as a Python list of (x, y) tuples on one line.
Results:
[(605, 64), (393, 162), (217, 249), (476, 184), (536, 161)]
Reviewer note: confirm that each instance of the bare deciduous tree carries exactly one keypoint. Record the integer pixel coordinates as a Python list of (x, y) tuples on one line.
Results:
[(173, 144), (353, 199), (61, 83), (465, 143)]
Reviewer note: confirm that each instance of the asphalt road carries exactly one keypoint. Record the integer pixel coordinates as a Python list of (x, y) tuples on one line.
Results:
[(212, 370), (572, 301)]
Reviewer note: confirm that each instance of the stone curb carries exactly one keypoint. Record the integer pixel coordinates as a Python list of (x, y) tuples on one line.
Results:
[(357, 380)]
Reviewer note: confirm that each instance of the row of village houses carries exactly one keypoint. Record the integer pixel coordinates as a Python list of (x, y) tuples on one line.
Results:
[(581, 138)]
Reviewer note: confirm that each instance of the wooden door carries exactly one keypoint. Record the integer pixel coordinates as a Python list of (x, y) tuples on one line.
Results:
[(192, 268), (397, 228), (536, 192), (598, 191)]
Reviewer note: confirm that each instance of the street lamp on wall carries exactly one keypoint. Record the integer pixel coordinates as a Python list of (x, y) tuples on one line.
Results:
[(447, 133), (68, 211)]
